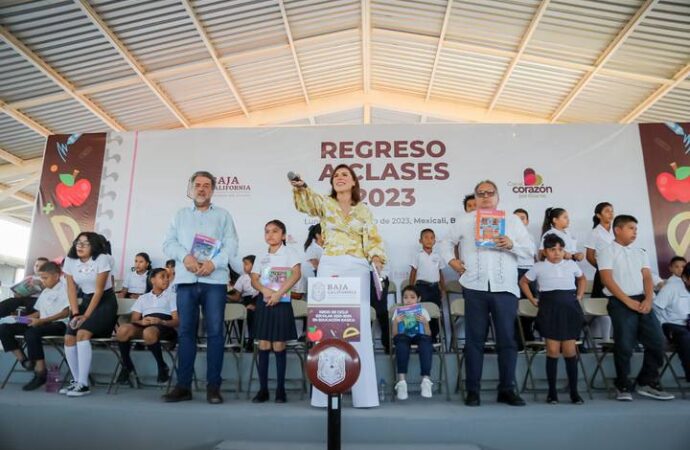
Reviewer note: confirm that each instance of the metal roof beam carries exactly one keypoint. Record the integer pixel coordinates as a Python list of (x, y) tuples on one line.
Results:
[(439, 47), (293, 50), (58, 79), (366, 45), (130, 59), (14, 190), (214, 56), (657, 95), (24, 119), (521, 49), (613, 46)]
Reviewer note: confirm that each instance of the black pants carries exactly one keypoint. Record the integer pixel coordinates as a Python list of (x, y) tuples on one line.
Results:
[(381, 307), (430, 292), (679, 336), (32, 336), (629, 327), (10, 305)]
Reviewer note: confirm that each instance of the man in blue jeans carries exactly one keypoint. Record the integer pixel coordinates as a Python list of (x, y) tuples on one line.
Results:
[(490, 289), (201, 279)]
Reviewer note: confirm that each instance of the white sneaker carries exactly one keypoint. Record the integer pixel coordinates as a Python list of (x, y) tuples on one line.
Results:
[(655, 392), (79, 391), (426, 388), (71, 386), (401, 389)]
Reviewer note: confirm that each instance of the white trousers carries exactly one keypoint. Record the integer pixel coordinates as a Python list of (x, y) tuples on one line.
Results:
[(365, 390)]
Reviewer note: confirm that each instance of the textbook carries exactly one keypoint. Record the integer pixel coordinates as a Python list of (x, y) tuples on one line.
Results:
[(409, 324), (205, 248), (491, 223), (15, 319), (27, 287), (274, 278)]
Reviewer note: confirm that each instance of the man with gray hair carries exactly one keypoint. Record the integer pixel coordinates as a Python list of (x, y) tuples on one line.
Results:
[(202, 240), (489, 279)]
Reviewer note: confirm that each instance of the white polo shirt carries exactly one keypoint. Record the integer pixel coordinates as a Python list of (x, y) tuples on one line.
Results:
[(428, 266), (570, 241), (150, 303), (627, 264), (135, 283), (244, 286), (487, 269), (555, 277), (52, 301), (600, 237), (283, 257), (672, 303), (526, 262), (85, 273)]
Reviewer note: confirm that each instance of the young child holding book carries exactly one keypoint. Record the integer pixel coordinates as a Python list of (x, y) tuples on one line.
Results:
[(49, 319), (560, 318), (273, 275), (136, 282), (627, 279), (426, 274), (411, 327), (154, 318), (557, 221)]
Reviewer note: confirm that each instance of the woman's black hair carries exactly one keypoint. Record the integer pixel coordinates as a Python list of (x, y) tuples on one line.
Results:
[(96, 242), (147, 258), (280, 225), (313, 231), (551, 240), (549, 215), (153, 273), (597, 210)]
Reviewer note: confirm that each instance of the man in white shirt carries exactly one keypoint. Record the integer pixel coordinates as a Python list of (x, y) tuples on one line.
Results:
[(672, 308), (489, 279), (627, 279)]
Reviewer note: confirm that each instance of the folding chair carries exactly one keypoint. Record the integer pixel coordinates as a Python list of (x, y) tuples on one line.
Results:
[(233, 313), (392, 290), (453, 287), (533, 348), (439, 348), (300, 311), (22, 347), (596, 307), (668, 365), (124, 314)]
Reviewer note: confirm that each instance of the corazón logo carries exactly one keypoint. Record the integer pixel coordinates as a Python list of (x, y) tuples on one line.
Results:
[(532, 185)]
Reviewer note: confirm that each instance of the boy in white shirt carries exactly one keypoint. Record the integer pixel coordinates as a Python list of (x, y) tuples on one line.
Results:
[(49, 319), (426, 274), (627, 279), (672, 308)]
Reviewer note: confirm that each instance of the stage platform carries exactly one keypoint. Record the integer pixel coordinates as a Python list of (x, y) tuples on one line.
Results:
[(137, 419)]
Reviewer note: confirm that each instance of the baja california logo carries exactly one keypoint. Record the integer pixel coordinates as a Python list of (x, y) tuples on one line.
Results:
[(232, 186)]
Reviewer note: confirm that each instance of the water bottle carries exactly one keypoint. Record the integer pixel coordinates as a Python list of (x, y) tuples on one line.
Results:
[(383, 387), (53, 380)]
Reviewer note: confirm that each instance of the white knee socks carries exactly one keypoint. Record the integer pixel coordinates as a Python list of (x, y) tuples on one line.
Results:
[(84, 356), (72, 361)]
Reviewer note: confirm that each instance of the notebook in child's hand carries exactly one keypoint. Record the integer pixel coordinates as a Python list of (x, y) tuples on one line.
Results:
[(27, 287), (205, 248), (15, 319), (491, 223), (274, 278), (409, 324)]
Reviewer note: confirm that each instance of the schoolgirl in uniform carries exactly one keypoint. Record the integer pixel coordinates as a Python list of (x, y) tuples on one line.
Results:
[(87, 269), (600, 237), (274, 322), (556, 221), (560, 318), (136, 282)]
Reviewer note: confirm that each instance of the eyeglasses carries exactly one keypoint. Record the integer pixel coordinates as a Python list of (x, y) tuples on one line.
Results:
[(485, 194), (82, 244)]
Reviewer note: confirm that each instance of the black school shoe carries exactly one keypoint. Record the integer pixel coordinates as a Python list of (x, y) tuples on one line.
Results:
[(28, 365), (281, 397), (213, 395), (510, 398), (178, 394), (36, 382), (575, 399), (163, 374), (260, 397), (124, 377), (472, 399)]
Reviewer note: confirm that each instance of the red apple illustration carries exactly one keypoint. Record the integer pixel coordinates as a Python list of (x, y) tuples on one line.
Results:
[(314, 334), (675, 187), (71, 192)]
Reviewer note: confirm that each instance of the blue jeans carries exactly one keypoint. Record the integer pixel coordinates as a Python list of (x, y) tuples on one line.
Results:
[(211, 298), (502, 306), (402, 352)]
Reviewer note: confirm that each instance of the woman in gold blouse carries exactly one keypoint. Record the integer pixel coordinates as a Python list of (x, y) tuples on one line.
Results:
[(351, 243)]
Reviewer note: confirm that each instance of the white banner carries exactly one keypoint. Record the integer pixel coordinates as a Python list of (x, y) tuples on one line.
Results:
[(414, 177)]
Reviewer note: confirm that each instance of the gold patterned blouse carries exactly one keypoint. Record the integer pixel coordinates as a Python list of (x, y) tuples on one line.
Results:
[(354, 234)]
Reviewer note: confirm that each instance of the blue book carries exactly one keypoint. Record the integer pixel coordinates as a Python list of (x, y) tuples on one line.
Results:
[(409, 324)]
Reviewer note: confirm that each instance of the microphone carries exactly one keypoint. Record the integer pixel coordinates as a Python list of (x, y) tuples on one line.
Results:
[(292, 176)]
